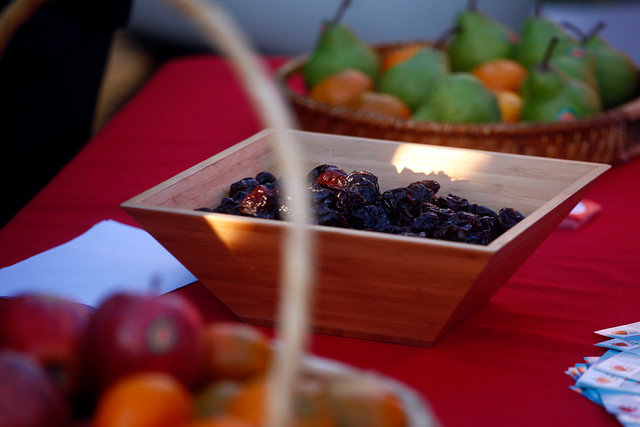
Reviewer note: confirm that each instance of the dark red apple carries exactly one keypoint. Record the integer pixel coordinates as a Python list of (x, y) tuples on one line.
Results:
[(132, 332), (50, 329), (28, 395)]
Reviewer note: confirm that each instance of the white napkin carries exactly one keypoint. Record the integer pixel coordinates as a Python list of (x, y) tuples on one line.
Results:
[(109, 257)]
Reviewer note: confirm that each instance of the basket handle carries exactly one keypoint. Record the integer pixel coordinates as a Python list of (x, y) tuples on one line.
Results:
[(296, 281), (13, 16)]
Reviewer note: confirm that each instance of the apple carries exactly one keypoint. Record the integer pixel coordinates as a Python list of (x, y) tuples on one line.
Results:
[(49, 328), (29, 397), (131, 333)]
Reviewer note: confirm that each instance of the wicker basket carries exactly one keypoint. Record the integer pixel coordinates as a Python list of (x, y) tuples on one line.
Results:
[(609, 137)]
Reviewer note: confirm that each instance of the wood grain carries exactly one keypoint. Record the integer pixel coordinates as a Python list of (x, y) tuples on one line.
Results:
[(370, 285)]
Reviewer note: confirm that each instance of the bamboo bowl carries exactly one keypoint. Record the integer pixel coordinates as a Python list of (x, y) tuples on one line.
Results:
[(369, 285), (610, 137)]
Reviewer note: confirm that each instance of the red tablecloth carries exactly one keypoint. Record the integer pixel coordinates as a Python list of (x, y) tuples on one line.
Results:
[(504, 365)]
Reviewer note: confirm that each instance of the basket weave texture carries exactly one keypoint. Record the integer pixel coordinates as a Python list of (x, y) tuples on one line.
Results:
[(611, 137)]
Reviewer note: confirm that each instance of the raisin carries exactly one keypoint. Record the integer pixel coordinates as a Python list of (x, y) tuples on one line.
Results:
[(261, 202), (425, 222), (400, 208), (266, 178), (347, 200), (227, 205), (366, 217), (364, 183), (332, 177), (507, 218), (481, 210), (450, 231), (245, 186), (453, 202), (420, 193), (483, 237)]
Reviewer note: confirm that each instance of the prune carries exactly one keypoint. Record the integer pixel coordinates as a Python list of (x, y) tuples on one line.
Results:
[(245, 186), (467, 221), (332, 177), (261, 202), (420, 193), (481, 210), (319, 194), (331, 217), (483, 237), (227, 205), (366, 217), (444, 214), (347, 200), (266, 178), (400, 208), (364, 183), (354, 201), (450, 231), (453, 202), (426, 222), (507, 218)]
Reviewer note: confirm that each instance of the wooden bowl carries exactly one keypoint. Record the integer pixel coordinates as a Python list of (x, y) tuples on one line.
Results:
[(610, 137), (370, 285)]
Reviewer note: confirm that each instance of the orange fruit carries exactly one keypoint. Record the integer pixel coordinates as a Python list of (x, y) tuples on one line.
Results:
[(309, 407), (510, 104), (380, 103), (501, 74), (145, 399), (235, 351), (340, 88), (219, 421), (364, 401), (398, 55)]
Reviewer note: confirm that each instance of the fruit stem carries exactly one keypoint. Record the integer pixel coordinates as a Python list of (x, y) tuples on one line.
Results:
[(340, 12), (574, 28), (544, 65), (595, 30), (472, 5), (537, 8), (440, 41)]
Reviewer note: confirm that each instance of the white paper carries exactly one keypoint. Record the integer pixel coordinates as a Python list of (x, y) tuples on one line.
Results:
[(109, 257)]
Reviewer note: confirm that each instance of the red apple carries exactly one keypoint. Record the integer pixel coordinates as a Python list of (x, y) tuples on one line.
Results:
[(28, 395), (132, 333), (50, 329)]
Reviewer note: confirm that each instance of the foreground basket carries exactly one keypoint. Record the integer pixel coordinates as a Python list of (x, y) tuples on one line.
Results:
[(370, 285), (610, 137)]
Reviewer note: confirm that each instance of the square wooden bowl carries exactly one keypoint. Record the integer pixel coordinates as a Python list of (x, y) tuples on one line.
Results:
[(369, 285)]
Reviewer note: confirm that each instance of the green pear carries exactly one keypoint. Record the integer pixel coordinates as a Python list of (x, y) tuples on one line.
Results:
[(461, 98), (480, 39), (616, 73), (537, 32), (548, 94), (337, 49), (413, 80), (575, 61)]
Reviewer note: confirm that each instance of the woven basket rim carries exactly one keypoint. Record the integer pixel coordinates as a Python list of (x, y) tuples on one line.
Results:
[(622, 113)]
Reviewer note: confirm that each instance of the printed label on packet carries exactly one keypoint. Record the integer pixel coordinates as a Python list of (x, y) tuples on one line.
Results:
[(594, 378), (621, 403), (621, 345), (624, 365), (629, 332)]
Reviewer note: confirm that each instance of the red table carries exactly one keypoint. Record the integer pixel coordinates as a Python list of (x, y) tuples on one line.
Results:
[(504, 365)]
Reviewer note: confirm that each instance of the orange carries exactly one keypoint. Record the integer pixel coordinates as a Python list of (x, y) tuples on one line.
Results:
[(309, 408), (510, 104), (219, 421), (146, 399), (398, 55), (340, 88), (364, 401), (235, 351), (501, 74), (380, 103)]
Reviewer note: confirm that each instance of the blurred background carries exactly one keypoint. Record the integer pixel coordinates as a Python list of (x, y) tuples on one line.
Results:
[(76, 63)]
